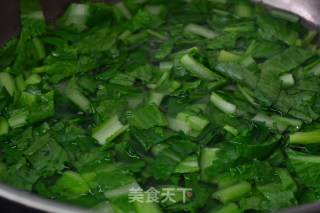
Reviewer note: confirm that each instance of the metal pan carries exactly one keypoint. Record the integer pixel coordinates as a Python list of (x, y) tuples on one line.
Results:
[(308, 10)]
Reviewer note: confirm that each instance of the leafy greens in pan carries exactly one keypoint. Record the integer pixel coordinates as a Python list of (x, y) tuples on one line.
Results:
[(201, 105)]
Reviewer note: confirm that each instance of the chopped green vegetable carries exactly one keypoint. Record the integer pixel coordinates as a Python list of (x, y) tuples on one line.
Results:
[(162, 106), (197, 69), (199, 30), (4, 126), (108, 130), (305, 137), (7, 82), (222, 104), (232, 193)]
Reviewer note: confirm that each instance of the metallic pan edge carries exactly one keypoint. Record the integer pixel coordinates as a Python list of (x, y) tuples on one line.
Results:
[(307, 9), (36, 202)]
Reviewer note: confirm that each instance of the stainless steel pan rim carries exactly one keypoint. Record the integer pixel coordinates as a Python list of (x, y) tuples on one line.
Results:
[(35, 202), (308, 10)]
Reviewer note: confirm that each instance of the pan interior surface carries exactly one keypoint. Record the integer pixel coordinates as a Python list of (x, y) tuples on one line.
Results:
[(307, 10)]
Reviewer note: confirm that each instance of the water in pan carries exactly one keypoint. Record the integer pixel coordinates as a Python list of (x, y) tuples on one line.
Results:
[(306, 9)]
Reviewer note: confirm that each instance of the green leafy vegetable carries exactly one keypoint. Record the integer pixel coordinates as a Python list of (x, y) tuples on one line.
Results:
[(162, 106)]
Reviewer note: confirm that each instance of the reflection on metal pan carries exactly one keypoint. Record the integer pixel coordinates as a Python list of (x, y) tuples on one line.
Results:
[(308, 10)]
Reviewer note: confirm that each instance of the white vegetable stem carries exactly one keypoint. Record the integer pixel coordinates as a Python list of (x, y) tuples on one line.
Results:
[(108, 130), (222, 104)]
